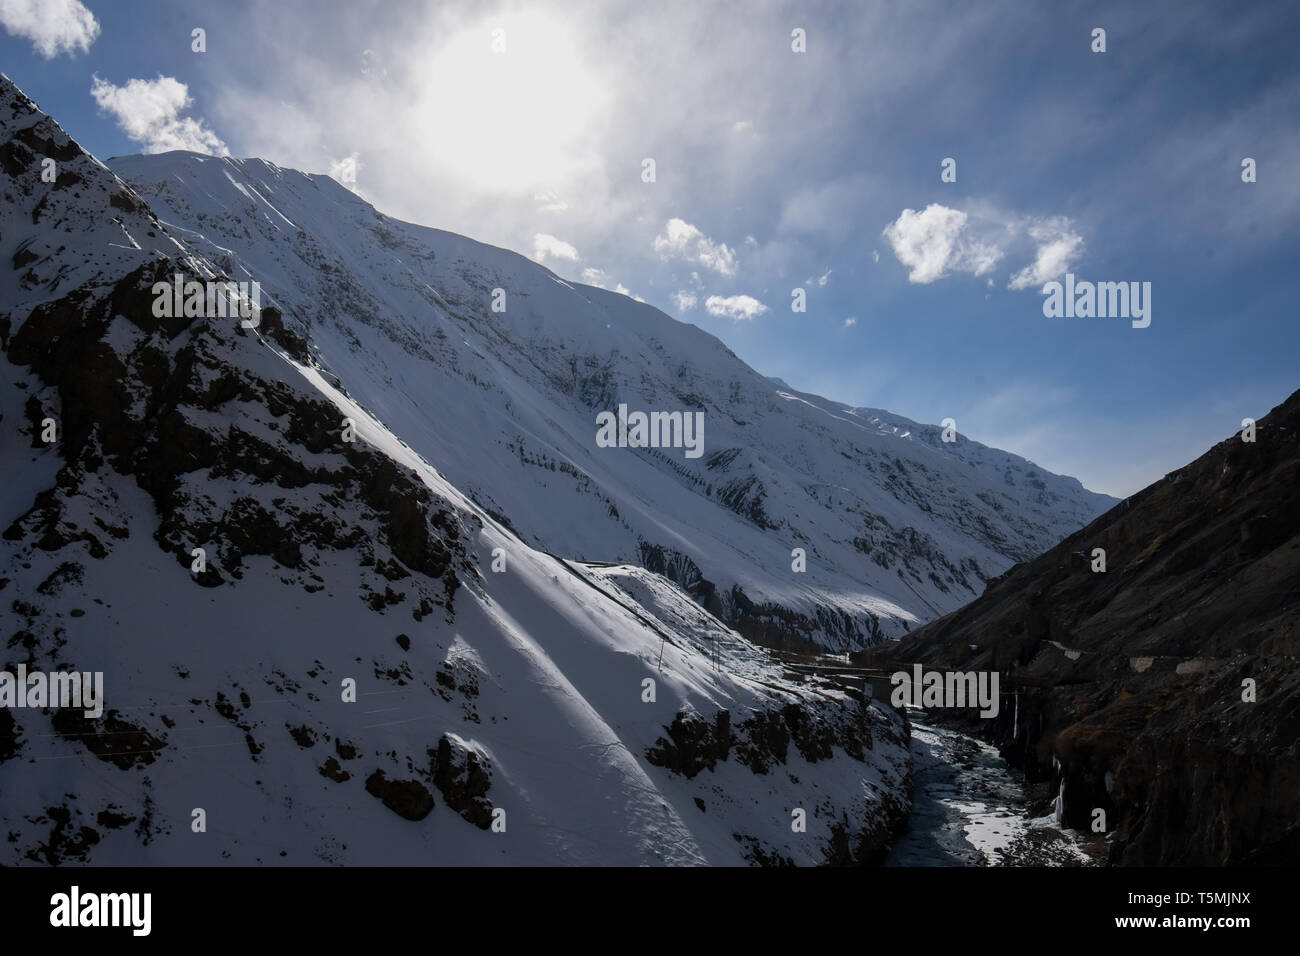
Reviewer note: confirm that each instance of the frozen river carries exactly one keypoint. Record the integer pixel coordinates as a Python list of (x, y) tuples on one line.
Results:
[(968, 810)]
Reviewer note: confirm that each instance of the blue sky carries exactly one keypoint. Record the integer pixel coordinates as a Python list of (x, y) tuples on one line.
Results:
[(776, 169)]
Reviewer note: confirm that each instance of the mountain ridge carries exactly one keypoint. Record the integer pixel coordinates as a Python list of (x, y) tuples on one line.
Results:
[(914, 527)]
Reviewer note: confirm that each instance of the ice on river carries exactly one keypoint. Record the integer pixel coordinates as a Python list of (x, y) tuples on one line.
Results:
[(967, 809)]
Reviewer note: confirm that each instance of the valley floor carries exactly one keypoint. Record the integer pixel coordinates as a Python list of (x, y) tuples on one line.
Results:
[(969, 810)]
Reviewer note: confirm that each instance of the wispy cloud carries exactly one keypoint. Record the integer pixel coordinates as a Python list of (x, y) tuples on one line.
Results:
[(603, 280), (550, 201), (820, 281), (684, 300), (372, 66), (1059, 246), (681, 240)]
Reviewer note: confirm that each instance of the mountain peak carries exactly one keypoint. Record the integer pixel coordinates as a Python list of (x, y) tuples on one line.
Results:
[(528, 362)]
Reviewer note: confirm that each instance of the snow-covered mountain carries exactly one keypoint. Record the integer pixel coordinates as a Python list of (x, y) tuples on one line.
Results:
[(363, 588), (360, 665), (898, 527)]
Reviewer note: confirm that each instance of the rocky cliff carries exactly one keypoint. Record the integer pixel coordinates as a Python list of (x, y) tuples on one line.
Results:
[(1163, 690)]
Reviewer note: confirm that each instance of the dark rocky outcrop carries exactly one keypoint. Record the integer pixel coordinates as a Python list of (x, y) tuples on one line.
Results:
[(333, 770), (693, 743), (761, 742), (463, 774), (109, 738), (763, 739), (137, 414), (409, 799), (66, 842)]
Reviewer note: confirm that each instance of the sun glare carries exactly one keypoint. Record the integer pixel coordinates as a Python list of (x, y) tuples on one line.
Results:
[(508, 103)]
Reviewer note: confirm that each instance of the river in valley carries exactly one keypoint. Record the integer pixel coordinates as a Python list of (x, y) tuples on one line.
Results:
[(969, 810)]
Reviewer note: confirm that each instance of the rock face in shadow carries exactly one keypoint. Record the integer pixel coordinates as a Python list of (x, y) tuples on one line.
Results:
[(762, 742), (409, 799), (147, 413), (464, 774), (1164, 691)]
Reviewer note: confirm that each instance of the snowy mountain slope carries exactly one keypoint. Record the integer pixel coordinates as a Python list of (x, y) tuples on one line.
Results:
[(898, 527), (489, 675)]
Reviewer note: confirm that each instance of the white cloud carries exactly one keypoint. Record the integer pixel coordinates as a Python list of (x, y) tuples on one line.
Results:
[(148, 111), (346, 169), (850, 322), (940, 241), (741, 126), (734, 306), (597, 277), (685, 301), (53, 26), (681, 240), (1059, 247), (875, 255), (819, 282), (936, 242), (603, 280), (547, 246)]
